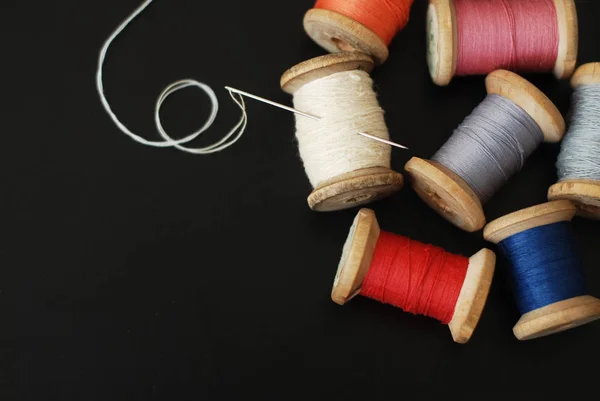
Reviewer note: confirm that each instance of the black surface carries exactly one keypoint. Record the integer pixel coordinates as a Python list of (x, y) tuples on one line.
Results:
[(132, 273)]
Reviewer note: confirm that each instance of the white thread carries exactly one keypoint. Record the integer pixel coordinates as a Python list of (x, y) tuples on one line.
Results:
[(236, 132), (330, 147)]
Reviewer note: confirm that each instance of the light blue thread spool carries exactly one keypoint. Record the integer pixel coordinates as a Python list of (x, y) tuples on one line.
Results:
[(578, 164)]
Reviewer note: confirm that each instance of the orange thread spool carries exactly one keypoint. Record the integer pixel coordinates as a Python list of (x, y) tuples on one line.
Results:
[(366, 26), (384, 17)]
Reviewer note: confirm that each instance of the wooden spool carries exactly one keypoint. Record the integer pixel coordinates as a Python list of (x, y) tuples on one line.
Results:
[(356, 261), (560, 316), (584, 193), (337, 33), (442, 40), (449, 194), (358, 187)]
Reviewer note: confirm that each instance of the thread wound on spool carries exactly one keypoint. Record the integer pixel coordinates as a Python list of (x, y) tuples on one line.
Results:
[(418, 278), (518, 35), (331, 146), (579, 154), (545, 266), (491, 145), (384, 17)]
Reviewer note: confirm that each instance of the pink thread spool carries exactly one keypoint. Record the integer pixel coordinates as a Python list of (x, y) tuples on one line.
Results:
[(456, 47)]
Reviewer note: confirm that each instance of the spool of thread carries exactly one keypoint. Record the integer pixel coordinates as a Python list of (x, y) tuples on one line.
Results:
[(418, 278), (546, 269), (357, 25), (346, 169), (476, 37), (579, 160), (489, 147)]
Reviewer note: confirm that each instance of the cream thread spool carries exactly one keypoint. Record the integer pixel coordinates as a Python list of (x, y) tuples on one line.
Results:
[(584, 193), (353, 188), (446, 192), (559, 316), (356, 260), (442, 40)]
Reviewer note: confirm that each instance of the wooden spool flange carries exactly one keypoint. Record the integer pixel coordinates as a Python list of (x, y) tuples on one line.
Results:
[(584, 193), (356, 261), (446, 192), (337, 33), (442, 40), (357, 187), (561, 315)]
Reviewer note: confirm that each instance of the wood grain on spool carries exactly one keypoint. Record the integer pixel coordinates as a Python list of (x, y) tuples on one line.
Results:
[(585, 194), (358, 187), (442, 41), (321, 67), (446, 193), (561, 315), (568, 42), (356, 261), (337, 33), (525, 95)]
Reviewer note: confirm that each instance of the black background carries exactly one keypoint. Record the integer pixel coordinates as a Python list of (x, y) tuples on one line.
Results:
[(134, 273)]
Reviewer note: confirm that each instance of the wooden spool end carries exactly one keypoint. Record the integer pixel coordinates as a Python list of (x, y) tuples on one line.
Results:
[(446, 193), (529, 98), (357, 187), (587, 74), (561, 315), (568, 42), (473, 295), (357, 255), (585, 194), (442, 43), (337, 33), (356, 260), (442, 40), (324, 66)]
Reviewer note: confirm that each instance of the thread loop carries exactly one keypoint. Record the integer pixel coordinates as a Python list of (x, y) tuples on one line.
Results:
[(229, 139)]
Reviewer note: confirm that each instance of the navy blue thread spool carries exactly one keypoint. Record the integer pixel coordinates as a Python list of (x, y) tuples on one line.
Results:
[(549, 283)]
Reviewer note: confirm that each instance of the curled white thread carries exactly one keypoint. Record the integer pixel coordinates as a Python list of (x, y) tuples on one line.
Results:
[(330, 147), (229, 139)]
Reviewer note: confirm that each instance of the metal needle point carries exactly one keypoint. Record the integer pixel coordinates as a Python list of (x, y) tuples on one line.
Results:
[(305, 114), (376, 138)]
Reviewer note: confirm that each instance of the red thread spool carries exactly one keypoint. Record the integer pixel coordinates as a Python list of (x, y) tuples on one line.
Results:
[(357, 25), (418, 278), (472, 37)]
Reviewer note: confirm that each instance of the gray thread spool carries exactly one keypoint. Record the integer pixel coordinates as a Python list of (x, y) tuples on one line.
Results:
[(491, 145), (579, 158), (488, 147)]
